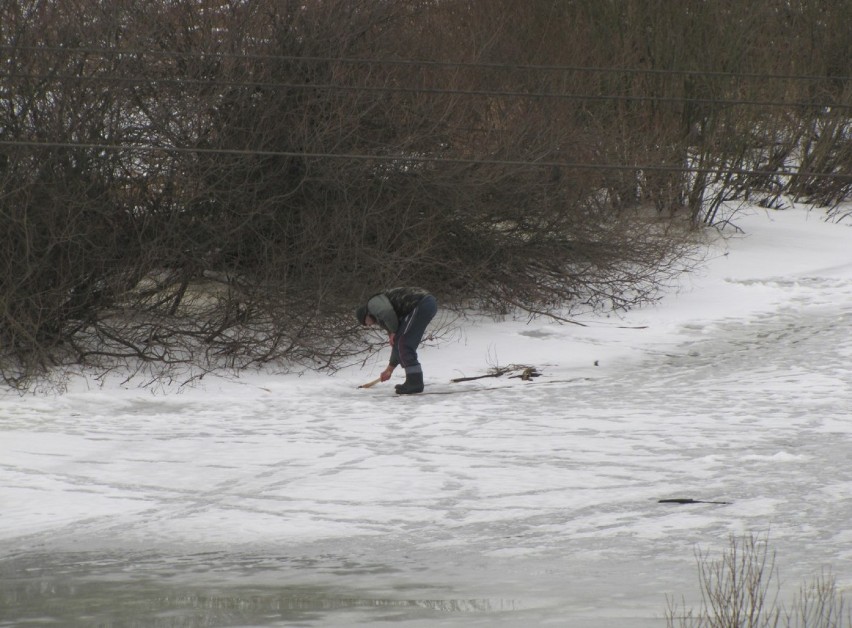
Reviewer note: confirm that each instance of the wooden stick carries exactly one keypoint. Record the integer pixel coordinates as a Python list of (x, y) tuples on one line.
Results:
[(371, 384)]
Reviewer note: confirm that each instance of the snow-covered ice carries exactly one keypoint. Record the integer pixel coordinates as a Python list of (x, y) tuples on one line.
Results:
[(288, 500)]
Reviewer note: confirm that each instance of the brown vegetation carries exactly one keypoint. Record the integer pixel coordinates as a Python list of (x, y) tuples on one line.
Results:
[(217, 183)]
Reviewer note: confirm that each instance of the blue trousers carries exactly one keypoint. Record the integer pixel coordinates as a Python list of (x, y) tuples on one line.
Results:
[(410, 333)]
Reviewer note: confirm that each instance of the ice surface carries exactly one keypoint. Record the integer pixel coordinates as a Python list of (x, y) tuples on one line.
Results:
[(301, 500)]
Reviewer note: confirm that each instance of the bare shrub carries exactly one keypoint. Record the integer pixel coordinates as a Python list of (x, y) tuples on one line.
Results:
[(214, 184), (741, 590)]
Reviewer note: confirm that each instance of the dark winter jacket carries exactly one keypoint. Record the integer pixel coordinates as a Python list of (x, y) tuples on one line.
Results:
[(390, 308)]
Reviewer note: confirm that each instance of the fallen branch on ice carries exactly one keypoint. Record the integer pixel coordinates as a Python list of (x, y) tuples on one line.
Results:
[(526, 373)]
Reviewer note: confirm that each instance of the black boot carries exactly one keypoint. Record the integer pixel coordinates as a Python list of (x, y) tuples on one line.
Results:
[(413, 384)]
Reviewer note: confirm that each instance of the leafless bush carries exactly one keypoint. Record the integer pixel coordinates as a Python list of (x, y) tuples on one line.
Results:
[(216, 184), (737, 98), (741, 590)]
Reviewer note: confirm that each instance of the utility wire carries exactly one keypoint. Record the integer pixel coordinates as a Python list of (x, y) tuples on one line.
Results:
[(421, 63), (422, 159), (431, 90)]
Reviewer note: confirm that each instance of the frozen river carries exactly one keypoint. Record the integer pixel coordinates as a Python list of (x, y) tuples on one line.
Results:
[(288, 501)]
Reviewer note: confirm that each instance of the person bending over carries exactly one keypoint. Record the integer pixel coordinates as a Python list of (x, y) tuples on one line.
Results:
[(404, 314)]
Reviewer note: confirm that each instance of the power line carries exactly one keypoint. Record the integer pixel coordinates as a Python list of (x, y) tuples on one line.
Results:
[(424, 159), (431, 90), (423, 63)]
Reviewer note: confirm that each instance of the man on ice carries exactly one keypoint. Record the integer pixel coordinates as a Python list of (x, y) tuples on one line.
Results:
[(404, 314)]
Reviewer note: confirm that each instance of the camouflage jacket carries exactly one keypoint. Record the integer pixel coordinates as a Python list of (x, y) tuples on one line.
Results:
[(391, 306)]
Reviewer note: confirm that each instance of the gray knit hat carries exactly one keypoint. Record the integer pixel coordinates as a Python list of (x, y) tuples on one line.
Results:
[(361, 314)]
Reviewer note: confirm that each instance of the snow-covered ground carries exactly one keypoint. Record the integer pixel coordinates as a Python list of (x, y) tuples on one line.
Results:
[(285, 500)]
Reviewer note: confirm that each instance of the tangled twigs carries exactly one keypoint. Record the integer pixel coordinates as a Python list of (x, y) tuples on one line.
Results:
[(526, 373)]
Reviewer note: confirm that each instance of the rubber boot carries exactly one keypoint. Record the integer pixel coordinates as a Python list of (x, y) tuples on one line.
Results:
[(413, 384)]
